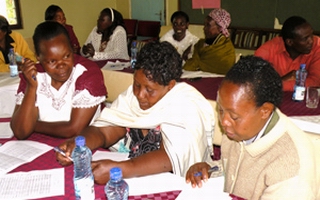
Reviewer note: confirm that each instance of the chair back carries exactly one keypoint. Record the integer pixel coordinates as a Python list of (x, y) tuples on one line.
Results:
[(148, 30), (131, 28)]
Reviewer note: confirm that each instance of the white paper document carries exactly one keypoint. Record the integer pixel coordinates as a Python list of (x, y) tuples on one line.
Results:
[(16, 153), (212, 189), (5, 130), (116, 65), (31, 185), (164, 182), (116, 156)]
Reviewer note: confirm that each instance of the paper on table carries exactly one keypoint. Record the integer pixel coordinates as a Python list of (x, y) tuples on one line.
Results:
[(157, 183), (116, 156), (116, 65), (212, 189), (195, 74), (16, 153), (34, 184), (5, 130), (165, 182), (307, 123)]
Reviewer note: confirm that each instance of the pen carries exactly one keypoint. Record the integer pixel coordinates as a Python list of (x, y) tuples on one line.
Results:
[(57, 149), (212, 169)]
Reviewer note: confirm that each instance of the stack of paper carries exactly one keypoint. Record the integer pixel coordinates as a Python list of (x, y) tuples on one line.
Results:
[(16, 153)]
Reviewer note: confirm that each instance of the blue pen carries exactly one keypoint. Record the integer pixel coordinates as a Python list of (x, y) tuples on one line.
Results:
[(57, 149), (212, 169)]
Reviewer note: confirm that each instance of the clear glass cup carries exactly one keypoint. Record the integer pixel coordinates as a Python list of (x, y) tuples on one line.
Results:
[(312, 97)]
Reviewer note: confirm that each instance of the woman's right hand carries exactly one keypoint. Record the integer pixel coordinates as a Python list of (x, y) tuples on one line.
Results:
[(67, 147), (88, 50), (29, 71)]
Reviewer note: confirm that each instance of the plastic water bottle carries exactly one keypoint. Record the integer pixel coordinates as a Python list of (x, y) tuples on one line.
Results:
[(299, 88), (116, 188), (12, 63), (134, 52), (83, 177)]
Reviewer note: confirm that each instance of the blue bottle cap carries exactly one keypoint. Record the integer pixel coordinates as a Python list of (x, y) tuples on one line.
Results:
[(115, 173), (302, 66), (134, 43), (80, 141)]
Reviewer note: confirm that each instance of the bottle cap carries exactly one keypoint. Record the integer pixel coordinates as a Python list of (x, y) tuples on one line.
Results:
[(80, 141), (134, 43), (115, 173), (302, 66)]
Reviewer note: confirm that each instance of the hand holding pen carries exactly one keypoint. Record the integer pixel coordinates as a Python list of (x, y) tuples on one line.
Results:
[(199, 172), (57, 149)]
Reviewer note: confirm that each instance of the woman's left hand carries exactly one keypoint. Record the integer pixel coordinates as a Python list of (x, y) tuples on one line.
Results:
[(101, 170)]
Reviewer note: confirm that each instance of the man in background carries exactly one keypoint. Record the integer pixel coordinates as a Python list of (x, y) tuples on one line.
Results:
[(296, 45)]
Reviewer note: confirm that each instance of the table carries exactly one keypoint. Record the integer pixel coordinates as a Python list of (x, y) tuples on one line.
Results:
[(48, 161), (8, 90)]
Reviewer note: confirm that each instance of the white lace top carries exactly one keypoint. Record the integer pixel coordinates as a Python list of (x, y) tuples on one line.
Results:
[(56, 105), (116, 48)]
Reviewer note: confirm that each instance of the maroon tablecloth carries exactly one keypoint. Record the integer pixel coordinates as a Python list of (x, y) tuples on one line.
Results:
[(209, 86), (48, 161)]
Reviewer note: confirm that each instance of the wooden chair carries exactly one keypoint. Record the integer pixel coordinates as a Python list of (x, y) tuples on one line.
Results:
[(148, 30)]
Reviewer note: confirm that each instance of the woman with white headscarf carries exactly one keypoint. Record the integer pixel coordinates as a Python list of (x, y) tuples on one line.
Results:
[(216, 52)]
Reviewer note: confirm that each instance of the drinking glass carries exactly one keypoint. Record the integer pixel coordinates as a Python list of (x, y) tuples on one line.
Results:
[(312, 98)]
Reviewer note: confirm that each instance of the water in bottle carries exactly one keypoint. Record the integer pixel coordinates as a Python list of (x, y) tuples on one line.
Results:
[(12, 63), (83, 177), (134, 52), (299, 88), (116, 188)]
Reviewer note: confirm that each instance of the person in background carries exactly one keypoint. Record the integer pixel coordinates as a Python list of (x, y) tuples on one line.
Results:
[(61, 95), (108, 40), (12, 39), (296, 45), (216, 52), (179, 36), (55, 13), (263, 154), (165, 125)]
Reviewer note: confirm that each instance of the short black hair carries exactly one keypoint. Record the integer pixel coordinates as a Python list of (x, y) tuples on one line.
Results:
[(289, 26), (263, 80), (179, 14), (160, 62), (4, 25), (51, 12), (46, 31)]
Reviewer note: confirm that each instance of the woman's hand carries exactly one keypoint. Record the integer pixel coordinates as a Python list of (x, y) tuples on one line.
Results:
[(67, 147), (186, 53), (88, 50), (101, 170), (197, 173), (29, 71)]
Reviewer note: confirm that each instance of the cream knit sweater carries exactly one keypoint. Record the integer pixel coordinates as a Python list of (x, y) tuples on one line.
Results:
[(280, 165)]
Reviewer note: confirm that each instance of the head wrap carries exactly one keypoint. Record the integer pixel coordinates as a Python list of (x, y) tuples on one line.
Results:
[(222, 19)]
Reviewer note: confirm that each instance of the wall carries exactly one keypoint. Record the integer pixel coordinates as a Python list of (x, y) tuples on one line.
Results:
[(81, 14), (259, 13)]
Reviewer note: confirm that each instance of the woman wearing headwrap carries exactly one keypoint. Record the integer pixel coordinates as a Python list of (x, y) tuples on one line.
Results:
[(216, 52), (11, 39)]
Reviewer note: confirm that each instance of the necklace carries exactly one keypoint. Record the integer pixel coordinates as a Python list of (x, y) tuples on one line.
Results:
[(57, 102)]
